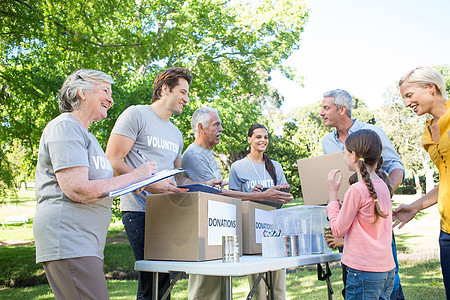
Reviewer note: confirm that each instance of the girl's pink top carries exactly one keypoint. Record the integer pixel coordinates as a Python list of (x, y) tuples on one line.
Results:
[(367, 246)]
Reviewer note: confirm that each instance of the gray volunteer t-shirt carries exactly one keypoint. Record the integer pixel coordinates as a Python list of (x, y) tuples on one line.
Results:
[(200, 164), (157, 139), (63, 228), (245, 174)]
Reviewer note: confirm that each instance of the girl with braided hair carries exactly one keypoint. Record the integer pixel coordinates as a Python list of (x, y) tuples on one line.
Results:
[(364, 219)]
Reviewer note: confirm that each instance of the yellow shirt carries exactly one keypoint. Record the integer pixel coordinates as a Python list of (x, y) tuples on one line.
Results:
[(440, 155)]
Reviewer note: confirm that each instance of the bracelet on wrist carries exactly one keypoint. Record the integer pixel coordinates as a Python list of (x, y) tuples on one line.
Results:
[(329, 201)]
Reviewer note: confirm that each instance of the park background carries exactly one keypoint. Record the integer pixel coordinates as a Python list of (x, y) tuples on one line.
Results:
[(264, 61)]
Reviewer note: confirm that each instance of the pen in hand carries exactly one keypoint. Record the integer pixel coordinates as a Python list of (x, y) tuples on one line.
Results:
[(141, 155)]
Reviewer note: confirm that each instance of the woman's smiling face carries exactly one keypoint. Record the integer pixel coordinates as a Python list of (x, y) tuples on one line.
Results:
[(417, 97), (97, 101), (259, 139)]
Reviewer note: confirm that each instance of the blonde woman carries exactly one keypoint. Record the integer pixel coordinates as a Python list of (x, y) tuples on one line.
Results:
[(424, 91)]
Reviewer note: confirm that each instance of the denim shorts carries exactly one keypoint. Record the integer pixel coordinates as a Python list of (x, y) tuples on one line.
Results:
[(369, 285)]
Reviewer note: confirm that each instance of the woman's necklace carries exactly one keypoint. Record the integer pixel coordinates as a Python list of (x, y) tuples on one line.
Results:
[(259, 177)]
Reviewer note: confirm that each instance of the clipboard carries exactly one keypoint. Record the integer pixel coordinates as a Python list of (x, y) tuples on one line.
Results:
[(163, 174), (198, 187)]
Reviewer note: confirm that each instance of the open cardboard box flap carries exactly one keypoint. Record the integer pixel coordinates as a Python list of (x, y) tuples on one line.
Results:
[(313, 177)]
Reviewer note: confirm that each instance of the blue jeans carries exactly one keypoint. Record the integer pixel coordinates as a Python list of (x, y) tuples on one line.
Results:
[(444, 246), (397, 292), (134, 223), (363, 285)]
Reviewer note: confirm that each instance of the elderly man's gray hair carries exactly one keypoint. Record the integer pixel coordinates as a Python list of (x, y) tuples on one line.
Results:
[(341, 98), (201, 115)]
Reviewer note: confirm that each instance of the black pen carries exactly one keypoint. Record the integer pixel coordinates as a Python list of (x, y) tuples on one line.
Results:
[(140, 154)]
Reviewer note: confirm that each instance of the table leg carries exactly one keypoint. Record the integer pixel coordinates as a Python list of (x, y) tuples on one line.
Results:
[(325, 276), (229, 288), (172, 284), (269, 279), (155, 285), (255, 285), (329, 287)]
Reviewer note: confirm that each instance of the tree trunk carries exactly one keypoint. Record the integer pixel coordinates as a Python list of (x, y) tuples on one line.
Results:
[(429, 182), (417, 183)]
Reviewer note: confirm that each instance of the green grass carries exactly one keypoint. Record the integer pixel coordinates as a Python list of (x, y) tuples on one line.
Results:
[(22, 197), (298, 201), (17, 232), (116, 230), (18, 267)]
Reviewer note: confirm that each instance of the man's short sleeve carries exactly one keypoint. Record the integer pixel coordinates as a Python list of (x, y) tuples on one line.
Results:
[(129, 123), (196, 167)]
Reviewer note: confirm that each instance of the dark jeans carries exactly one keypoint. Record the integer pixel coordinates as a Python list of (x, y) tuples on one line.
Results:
[(444, 245), (397, 294), (134, 223)]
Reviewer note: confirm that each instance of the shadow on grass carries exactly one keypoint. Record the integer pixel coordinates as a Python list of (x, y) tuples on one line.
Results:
[(19, 201), (119, 262), (420, 214), (19, 268), (116, 230), (19, 197), (422, 280), (401, 241)]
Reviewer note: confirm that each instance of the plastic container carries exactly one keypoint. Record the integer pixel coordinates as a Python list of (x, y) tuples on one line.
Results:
[(273, 246), (305, 221)]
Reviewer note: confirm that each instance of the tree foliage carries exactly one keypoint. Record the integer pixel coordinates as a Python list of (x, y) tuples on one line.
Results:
[(229, 46)]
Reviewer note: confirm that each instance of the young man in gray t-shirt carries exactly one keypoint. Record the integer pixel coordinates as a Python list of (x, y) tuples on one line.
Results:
[(148, 128)]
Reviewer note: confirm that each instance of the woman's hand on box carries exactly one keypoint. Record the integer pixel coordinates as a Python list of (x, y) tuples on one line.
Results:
[(272, 194)]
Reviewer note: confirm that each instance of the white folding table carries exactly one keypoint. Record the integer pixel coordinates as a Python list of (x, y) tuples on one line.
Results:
[(248, 264)]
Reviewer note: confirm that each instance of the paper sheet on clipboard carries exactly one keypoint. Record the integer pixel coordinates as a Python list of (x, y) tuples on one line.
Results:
[(157, 177)]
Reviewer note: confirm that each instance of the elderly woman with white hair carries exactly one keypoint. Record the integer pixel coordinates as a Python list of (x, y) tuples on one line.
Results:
[(423, 90), (73, 180)]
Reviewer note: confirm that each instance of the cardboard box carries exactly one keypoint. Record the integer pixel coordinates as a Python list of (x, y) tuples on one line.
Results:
[(255, 219), (313, 177), (189, 226)]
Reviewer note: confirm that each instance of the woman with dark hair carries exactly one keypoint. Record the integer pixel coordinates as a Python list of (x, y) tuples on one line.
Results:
[(255, 173)]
